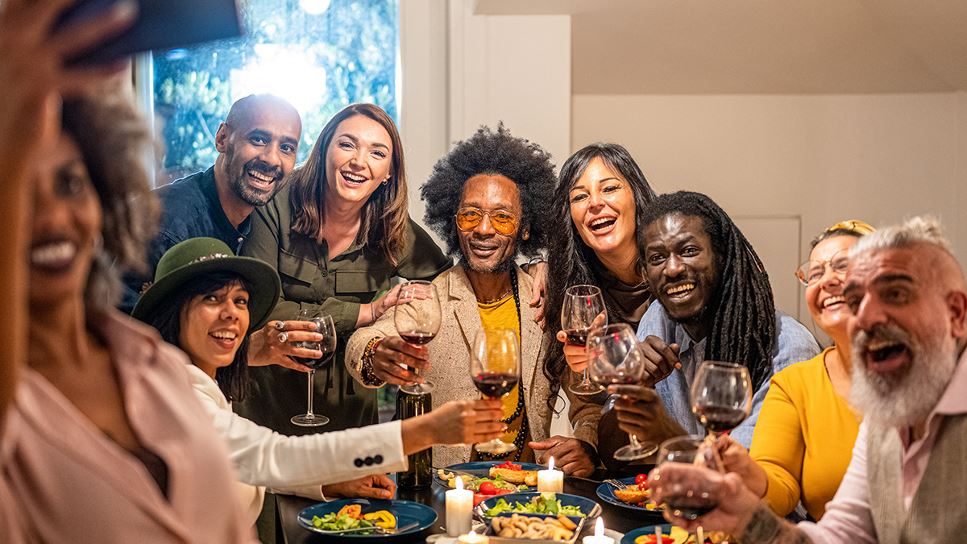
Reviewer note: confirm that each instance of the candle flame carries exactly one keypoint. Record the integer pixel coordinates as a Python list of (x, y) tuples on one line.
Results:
[(550, 464), (459, 483), (599, 527)]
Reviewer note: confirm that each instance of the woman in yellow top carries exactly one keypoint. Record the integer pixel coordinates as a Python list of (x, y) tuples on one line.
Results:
[(804, 438)]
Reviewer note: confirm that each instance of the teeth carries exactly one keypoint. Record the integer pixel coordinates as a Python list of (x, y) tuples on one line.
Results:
[(681, 288), (260, 176), (833, 300), (353, 177), (224, 335), (53, 253), (601, 221), (878, 345)]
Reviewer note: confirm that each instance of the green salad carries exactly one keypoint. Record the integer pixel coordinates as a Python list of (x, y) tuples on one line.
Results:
[(545, 503), (335, 521)]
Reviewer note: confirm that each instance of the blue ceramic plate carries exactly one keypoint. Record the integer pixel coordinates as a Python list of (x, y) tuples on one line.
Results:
[(588, 507), (406, 512), (605, 492), (480, 469), (630, 537)]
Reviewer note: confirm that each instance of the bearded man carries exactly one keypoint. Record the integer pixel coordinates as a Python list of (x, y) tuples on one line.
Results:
[(908, 476)]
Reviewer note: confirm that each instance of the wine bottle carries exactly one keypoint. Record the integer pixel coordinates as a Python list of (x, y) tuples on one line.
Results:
[(420, 473)]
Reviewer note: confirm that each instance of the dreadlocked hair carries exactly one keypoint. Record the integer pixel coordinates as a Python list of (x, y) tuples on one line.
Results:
[(570, 260), (743, 328)]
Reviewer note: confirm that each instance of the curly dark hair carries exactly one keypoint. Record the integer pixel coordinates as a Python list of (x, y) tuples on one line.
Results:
[(490, 152), (570, 260), (233, 379), (114, 141), (743, 327)]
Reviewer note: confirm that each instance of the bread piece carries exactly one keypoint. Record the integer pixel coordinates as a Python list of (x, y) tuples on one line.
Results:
[(526, 477), (632, 495)]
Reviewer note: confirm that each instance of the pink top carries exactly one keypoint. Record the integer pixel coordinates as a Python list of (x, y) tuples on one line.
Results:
[(63, 480), (848, 517)]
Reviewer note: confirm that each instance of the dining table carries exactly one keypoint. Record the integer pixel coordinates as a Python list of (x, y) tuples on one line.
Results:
[(617, 518)]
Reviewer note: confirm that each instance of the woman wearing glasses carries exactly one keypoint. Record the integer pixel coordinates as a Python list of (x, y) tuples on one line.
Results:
[(803, 441)]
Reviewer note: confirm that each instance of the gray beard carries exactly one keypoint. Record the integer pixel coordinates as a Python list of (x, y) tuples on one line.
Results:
[(905, 398)]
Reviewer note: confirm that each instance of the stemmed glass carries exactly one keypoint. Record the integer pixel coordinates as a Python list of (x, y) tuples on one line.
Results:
[(689, 449), (721, 398), (325, 327), (614, 358), (495, 370), (417, 318), (583, 304)]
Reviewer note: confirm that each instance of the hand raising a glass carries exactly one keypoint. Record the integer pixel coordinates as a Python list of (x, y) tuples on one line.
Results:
[(583, 308), (721, 400), (614, 358), (417, 317)]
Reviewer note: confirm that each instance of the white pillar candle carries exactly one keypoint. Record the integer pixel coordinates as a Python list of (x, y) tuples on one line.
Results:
[(550, 480), (598, 537), (473, 538), (459, 509)]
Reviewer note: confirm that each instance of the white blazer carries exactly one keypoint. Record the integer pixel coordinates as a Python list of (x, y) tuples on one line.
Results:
[(297, 465)]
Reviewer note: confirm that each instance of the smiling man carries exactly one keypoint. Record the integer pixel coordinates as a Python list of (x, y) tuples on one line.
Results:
[(714, 303), (907, 480), (484, 199), (257, 146)]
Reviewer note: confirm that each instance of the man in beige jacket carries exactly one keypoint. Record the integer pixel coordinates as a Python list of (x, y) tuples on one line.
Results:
[(484, 200)]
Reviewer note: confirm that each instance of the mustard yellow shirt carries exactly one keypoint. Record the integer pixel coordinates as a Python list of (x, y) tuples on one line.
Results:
[(503, 315), (804, 438)]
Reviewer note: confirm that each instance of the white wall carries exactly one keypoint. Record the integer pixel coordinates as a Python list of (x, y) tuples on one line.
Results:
[(823, 158)]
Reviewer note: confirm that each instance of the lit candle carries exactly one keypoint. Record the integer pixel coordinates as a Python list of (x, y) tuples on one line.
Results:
[(459, 509), (550, 480), (700, 533), (473, 538), (598, 537)]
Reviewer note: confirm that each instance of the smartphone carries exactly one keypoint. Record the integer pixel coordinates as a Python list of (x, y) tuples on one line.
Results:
[(160, 24)]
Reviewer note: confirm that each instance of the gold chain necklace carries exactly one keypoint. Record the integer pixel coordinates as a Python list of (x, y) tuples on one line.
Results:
[(498, 298)]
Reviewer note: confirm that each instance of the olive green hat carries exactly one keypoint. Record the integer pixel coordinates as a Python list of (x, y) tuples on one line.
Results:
[(191, 258)]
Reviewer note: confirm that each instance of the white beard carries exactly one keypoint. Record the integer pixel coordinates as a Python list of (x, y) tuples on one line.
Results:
[(905, 397)]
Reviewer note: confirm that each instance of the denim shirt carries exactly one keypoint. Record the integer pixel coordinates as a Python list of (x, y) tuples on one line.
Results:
[(190, 208), (795, 343)]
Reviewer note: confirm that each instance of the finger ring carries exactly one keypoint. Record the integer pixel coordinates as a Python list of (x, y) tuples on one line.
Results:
[(280, 325), (283, 337)]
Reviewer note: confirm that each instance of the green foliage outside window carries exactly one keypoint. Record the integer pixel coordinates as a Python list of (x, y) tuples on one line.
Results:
[(320, 63)]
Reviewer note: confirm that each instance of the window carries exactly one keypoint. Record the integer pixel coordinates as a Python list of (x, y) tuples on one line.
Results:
[(320, 55)]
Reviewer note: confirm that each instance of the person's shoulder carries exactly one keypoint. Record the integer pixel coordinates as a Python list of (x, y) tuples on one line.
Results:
[(802, 371), (656, 322), (794, 342), (182, 189), (791, 329)]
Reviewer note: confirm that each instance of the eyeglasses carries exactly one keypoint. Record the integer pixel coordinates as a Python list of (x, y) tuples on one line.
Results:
[(503, 221), (853, 225), (811, 272)]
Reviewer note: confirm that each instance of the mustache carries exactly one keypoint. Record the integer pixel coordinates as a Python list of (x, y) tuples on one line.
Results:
[(880, 333), (263, 168)]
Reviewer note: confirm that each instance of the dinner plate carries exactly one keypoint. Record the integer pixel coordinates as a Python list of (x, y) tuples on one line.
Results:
[(406, 512), (480, 469), (588, 507), (605, 492), (666, 528)]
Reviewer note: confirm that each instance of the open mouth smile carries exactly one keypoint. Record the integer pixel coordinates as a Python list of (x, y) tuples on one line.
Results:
[(602, 225), (353, 180), (833, 301), (680, 290), (53, 256), (886, 355)]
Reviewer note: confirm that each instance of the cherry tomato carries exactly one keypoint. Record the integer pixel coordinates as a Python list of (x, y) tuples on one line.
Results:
[(665, 539), (508, 465), (641, 479), (488, 488)]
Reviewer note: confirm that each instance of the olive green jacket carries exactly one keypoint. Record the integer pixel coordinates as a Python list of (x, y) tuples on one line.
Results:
[(336, 286)]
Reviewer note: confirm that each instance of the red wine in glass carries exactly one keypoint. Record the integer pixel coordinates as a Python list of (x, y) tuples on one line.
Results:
[(316, 364), (577, 337), (689, 512), (495, 384), (417, 338), (719, 419), (613, 378)]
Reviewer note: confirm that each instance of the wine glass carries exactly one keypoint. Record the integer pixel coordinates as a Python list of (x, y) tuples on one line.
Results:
[(614, 358), (495, 370), (583, 304), (721, 399), (417, 318), (325, 327), (689, 449)]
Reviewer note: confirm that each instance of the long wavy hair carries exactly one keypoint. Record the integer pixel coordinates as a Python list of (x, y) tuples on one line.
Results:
[(114, 140), (384, 215), (570, 260)]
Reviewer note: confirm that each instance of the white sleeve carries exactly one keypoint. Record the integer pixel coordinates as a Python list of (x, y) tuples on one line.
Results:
[(266, 458)]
